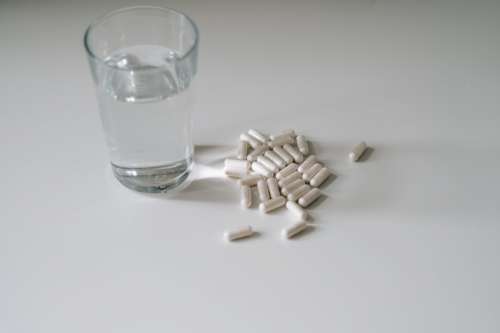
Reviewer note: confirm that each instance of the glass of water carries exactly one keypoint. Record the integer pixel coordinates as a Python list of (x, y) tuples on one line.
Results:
[(143, 61)]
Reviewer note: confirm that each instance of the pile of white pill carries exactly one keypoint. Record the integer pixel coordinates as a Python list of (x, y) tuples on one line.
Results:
[(284, 173)]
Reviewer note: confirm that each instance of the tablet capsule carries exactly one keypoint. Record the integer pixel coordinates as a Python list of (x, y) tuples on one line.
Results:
[(302, 144), (298, 192), (308, 162), (289, 132), (356, 153), (274, 189), (242, 150), (288, 170), (263, 190), (238, 234), (256, 152), (251, 141), (246, 196), (290, 178), (275, 158), (257, 135), (296, 210), (250, 180), (297, 155), (295, 229), (320, 177), (272, 204), (267, 163), (292, 186), (260, 169), (236, 168), (309, 197), (311, 172), (283, 154), (280, 141)]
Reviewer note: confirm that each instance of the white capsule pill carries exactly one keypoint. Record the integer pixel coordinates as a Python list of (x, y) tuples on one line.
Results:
[(292, 186), (236, 168), (309, 197), (298, 192), (251, 141), (274, 189), (308, 174), (257, 135), (295, 229), (283, 154), (263, 190), (256, 152), (290, 178), (308, 162), (302, 144), (267, 163), (288, 170), (289, 132), (246, 196), (272, 204), (275, 158), (238, 234), (297, 155), (320, 177), (356, 153), (296, 210), (250, 180), (281, 140), (260, 169), (243, 150)]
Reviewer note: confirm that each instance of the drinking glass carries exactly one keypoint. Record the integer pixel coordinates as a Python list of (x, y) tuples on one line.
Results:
[(143, 61)]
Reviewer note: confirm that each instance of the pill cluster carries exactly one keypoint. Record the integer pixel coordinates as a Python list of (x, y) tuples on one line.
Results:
[(284, 173)]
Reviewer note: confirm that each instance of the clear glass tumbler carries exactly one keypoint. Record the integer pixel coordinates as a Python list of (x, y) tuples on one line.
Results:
[(143, 61)]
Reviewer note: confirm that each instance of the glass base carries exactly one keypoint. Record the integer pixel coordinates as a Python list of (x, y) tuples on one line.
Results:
[(160, 179)]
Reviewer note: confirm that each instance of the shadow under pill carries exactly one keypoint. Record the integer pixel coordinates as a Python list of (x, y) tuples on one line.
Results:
[(366, 154)]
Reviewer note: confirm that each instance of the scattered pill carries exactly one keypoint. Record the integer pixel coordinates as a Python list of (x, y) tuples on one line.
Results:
[(356, 153), (260, 169), (257, 135), (296, 210), (250, 180), (308, 174), (320, 177), (308, 162), (275, 158), (236, 168), (283, 154), (238, 234), (309, 197), (289, 132), (281, 140), (251, 141), (246, 196), (243, 150), (274, 189), (256, 152), (267, 163), (292, 186), (288, 170), (297, 155), (263, 190), (298, 192), (294, 229), (272, 204), (302, 144), (290, 178)]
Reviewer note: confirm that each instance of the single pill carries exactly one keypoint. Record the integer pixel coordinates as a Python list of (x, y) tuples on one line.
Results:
[(283, 154), (308, 162), (246, 196), (298, 192), (272, 204), (238, 234), (250, 180), (274, 189), (263, 190), (267, 163), (257, 135), (296, 210), (302, 144), (256, 152), (295, 229), (290, 178), (260, 169), (236, 168), (275, 158), (297, 155), (309, 197), (289, 132), (288, 170), (280, 141), (243, 150), (292, 186), (311, 172), (356, 153), (247, 138), (320, 177)]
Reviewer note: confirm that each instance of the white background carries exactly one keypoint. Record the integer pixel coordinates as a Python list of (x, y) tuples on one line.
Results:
[(407, 241)]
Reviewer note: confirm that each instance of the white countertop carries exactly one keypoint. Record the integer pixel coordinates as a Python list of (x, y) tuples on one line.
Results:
[(407, 241)]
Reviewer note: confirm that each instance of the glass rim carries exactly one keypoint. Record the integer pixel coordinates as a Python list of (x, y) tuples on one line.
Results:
[(112, 13)]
